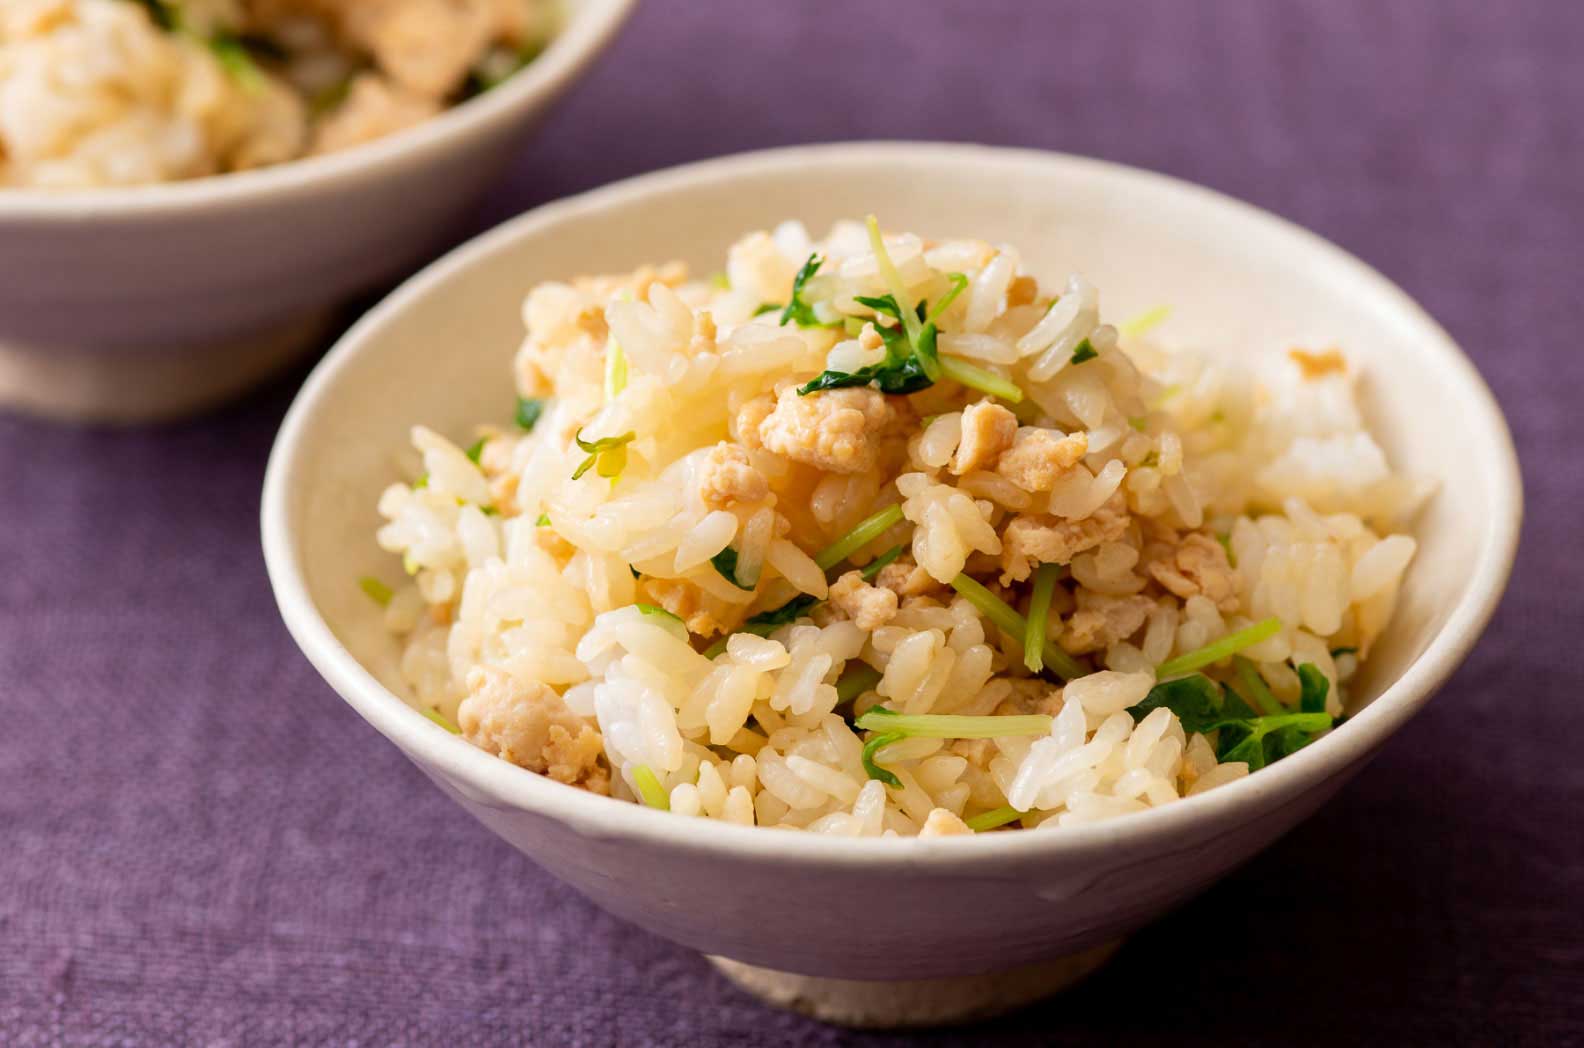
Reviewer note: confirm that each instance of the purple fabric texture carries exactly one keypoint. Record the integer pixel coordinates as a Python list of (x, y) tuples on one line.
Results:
[(199, 843)]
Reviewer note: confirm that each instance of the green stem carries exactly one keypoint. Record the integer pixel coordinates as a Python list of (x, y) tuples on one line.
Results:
[(442, 720), (1258, 692), (649, 788), (866, 531), (1039, 613), (953, 726), (1011, 623), (982, 379), (1227, 646), (989, 820)]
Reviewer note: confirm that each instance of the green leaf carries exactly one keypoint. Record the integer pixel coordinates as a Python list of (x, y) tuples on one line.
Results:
[(164, 16), (1313, 689), (1196, 700), (796, 309), (475, 450), (767, 622), (725, 563), (898, 379), (1084, 352), (543, 521), (609, 454), (421, 483), (528, 411), (856, 679), (766, 307), (871, 747)]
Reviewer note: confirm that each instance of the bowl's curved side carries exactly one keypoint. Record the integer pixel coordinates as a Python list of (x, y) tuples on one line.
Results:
[(1233, 273), (167, 276)]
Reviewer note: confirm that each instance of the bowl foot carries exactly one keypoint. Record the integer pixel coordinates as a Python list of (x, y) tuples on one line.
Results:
[(914, 1002), (125, 386)]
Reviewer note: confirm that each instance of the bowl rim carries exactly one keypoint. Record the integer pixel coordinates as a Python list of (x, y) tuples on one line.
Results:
[(584, 35), (604, 817)]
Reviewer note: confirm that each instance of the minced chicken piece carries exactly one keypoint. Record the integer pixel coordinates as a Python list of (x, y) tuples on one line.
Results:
[(1038, 457), (1198, 567), (749, 417), (530, 726), (1039, 538), (425, 46), (1318, 365), (988, 429), (1030, 695), (727, 478), (870, 607), (373, 108), (838, 430), (906, 579), (942, 823), (687, 602), (1103, 620)]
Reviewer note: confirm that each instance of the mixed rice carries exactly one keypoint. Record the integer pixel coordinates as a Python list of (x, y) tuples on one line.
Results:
[(876, 536), (122, 92)]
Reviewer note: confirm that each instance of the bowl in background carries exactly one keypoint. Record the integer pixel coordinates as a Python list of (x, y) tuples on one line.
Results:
[(138, 303), (891, 930)]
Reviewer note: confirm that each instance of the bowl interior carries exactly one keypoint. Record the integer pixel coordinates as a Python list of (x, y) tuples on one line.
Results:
[(438, 352)]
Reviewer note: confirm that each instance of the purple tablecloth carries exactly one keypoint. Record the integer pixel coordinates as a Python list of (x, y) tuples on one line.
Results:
[(200, 844)]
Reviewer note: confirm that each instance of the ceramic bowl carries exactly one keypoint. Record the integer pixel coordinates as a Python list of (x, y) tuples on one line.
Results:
[(139, 303), (785, 909)]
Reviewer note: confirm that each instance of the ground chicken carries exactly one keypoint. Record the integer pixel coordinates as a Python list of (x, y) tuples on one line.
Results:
[(688, 603), (426, 46), (749, 417), (1103, 620), (726, 478), (942, 823), (530, 725), (906, 579), (1318, 365), (1039, 457), (838, 430), (1198, 566), (1030, 695), (988, 429), (870, 607), (373, 108), (1039, 538)]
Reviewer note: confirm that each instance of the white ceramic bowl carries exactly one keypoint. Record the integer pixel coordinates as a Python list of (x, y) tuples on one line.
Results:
[(897, 909), (137, 303)]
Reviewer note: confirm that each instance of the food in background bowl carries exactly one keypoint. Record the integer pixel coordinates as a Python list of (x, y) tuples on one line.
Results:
[(876, 536), (123, 92)]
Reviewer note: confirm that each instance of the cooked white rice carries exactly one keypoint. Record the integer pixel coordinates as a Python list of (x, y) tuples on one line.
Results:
[(123, 92), (587, 628)]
